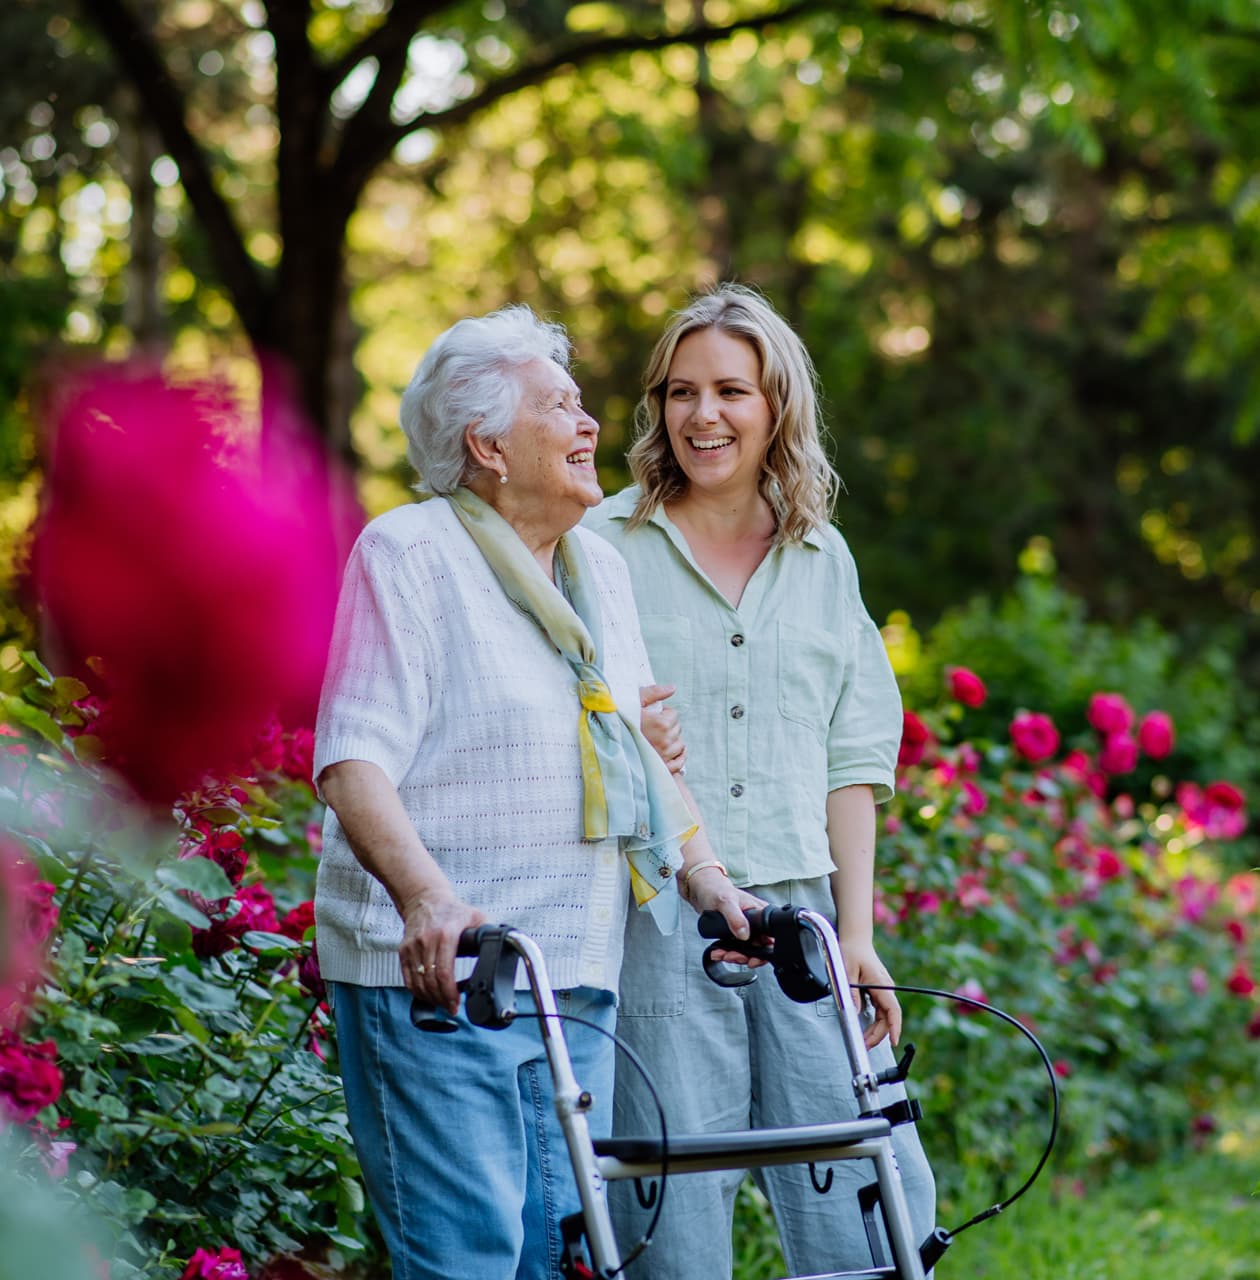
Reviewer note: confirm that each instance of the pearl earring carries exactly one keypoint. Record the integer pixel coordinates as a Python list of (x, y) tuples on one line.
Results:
[(503, 478)]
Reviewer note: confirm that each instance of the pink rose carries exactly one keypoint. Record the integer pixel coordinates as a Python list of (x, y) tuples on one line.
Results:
[(258, 908), (970, 990), (1218, 809), (975, 802), (1155, 735), (1199, 982), (1119, 753), (1109, 713), (966, 687), (1107, 864), (914, 740), (1243, 892), (1062, 1069), (1034, 736), (221, 1264)]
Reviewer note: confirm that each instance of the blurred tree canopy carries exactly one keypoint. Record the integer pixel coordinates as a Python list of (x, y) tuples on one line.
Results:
[(1021, 239)]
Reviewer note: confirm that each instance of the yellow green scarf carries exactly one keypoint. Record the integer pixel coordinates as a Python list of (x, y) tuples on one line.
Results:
[(627, 790)]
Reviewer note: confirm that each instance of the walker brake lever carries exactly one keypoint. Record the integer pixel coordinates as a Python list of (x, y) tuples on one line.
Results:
[(795, 954), (489, 992)]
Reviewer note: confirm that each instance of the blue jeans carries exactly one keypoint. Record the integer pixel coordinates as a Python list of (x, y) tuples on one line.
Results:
[(745, 1058), (463, 1157)]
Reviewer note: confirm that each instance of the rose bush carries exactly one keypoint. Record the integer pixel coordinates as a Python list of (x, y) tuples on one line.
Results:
[(1111, 923), (165, 1064)]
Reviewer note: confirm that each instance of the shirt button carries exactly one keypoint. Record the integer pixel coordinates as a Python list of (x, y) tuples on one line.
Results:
[(737, 790), (737, 712), (737, 640)]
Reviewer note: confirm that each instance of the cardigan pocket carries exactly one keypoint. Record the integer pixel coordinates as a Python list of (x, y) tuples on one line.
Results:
[(667, 637), (810, 670)]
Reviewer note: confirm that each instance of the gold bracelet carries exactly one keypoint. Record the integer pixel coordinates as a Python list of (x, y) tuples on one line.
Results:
[(700, 866)]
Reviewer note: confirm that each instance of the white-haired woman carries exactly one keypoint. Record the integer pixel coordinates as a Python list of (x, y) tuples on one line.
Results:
[(477, 768), (749, 605)]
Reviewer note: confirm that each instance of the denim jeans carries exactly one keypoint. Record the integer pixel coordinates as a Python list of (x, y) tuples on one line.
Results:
[(463, 1157), (739, 1058)]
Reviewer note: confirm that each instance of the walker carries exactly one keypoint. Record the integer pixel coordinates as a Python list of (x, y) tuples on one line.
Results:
[(807, 961)]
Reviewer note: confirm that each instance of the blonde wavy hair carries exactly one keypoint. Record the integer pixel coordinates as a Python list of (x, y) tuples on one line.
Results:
[(797, 480)]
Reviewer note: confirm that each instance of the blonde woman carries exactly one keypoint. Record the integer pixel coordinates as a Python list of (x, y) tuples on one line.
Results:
[(749, 606)]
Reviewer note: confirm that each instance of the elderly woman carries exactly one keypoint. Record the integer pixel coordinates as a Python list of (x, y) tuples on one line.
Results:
[(478, 766)]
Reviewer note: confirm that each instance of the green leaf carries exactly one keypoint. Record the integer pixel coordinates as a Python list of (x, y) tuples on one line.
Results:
[(196, 875), (31, 658), (18, 709), (66, 689), (269, 944), (184, 910)]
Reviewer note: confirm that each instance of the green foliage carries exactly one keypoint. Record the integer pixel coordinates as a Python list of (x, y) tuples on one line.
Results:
[(196, 1084)]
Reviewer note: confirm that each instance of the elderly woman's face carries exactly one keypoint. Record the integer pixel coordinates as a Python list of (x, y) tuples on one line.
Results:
[(550, 450)]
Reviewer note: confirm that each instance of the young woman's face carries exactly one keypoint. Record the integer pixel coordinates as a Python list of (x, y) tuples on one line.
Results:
[(718, 419)]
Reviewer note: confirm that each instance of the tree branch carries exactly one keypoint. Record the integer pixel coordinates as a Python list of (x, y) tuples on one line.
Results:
[(402, 22), (355, 164), (138, 59)]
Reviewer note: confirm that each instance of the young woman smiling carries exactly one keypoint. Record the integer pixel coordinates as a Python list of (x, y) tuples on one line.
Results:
[(749, 606)]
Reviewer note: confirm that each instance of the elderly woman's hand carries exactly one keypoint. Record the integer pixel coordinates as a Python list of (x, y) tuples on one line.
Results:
[(659, 725), (432, 923)]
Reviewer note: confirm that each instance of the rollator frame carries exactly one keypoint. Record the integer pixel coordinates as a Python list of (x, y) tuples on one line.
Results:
[(490, 1002)]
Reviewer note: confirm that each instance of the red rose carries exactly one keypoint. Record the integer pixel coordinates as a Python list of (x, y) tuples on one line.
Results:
[(1034, 736), (1119, 753), (1240, 982), (966, 687), (258, 908), (1155, 735), (1109, 713), (914, 739), (298, 921), (29, 1077)]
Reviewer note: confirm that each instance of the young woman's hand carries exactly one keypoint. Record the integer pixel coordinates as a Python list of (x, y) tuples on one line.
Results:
[(710, 890), (659, 725), (864, 965)]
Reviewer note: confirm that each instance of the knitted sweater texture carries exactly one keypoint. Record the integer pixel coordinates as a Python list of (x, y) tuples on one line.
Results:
[(437, 678)]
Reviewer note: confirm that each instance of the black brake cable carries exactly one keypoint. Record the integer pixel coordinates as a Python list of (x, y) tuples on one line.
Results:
[(983, 1007), (646, 1238)]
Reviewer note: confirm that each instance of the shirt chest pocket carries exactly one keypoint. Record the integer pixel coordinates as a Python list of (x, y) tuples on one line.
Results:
[(811, 669), (667, 637)]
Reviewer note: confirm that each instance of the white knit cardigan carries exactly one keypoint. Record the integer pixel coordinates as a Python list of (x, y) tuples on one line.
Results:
[(435, 676)]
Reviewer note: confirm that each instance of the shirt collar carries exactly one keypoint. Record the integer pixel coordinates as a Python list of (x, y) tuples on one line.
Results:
[(621, 507)]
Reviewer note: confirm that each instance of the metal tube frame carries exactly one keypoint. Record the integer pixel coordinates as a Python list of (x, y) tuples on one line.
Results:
[(592, 1172)]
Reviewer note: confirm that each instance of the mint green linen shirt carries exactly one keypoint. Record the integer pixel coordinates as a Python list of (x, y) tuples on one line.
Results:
[(782, 700)]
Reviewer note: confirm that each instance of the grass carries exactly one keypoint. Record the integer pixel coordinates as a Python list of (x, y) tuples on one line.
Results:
[(1197, 1218)]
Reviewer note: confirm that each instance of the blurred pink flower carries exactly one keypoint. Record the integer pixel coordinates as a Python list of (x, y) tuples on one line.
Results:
[(970, 990), (258, 907), (1199, 983), (970, 891), (1217, 809), (966, 687), (1253, 1027), (914, 740), (1197, 897), (56, 1157), (21, 934), (968, 758), (1156, 735), (1237, 931), (1109, 713), (1034, 736), (1062, 1068), (1107, 864), (1243, 892), (203, 581), (218, 1264), (920, 902), (1119, 753), (1079, 764), (975, 802)]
